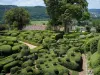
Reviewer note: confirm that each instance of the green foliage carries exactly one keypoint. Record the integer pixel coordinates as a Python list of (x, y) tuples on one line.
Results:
[(97, 70), (16, 48), (14, 69), (25, 52), (95, 60), (96, 23), (91, 44), (68, 10), (27, 63), (98, 47), (17, 16), (5, 49), (8, 66), (88, 28)]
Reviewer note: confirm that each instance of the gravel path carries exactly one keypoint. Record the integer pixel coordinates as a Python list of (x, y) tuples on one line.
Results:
[(84, 66), (29, 45)]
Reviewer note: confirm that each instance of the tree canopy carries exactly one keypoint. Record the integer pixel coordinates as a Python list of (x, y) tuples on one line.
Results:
[(67, 10), (17, 18)]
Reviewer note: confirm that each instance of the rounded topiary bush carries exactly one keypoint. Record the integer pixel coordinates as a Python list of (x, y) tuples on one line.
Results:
[(97, 70), (8, 66), (56, 71), (40, 61), (95, 60), (5, 49), (14, 69), (29, 69), (10, 43), (16, 49), (27, 63), (25, 52)]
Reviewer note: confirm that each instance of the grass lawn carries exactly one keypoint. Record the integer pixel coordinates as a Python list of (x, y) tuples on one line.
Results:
[(39, 22)]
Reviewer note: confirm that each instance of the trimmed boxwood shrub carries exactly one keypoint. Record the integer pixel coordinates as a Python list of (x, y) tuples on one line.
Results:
[(98, 48), (10, 43), (14, 69), (16, 49), (8, 66), (95, 60), (97, 70), (29, 69), (5, 49), (91, 44), (27, 63), (25, 52), (13, 39), (40, 61)]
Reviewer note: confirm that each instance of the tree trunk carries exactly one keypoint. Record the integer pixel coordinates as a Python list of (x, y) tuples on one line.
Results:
[(66, 27)]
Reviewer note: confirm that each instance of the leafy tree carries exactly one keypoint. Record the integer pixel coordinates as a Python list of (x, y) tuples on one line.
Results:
[(17, 16), (96, 23), (53, 12), (67, 10)]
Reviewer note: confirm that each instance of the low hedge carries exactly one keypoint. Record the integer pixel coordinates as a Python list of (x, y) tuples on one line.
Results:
[(95, 60), (14, 69), (27, 63), (5, 49), (8, 66), (91, 44), (97, 70), (16, 48)]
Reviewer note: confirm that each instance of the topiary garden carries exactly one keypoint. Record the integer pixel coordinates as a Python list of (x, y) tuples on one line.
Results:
[(56, 53)]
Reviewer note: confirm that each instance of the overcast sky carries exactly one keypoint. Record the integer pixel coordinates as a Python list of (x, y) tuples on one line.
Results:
[(92, 3)]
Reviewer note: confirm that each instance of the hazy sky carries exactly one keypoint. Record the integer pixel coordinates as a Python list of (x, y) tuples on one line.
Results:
[(92, 3)]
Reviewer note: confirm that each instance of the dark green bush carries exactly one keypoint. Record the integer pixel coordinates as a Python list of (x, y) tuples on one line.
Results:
[(16, 49), (91, 44), (25, 52), (97, 70), (27, 63), (40, 61), (10, 43), (14, 69), (8, 66), (98, 47), (29, 69), (5, 49)]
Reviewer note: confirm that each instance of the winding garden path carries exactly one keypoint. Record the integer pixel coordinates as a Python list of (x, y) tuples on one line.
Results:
[(84, 66), (31, 47)]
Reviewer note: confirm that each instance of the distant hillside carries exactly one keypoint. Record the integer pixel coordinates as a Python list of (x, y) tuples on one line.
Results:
[(39, 12), (36, 13), (4, 8), (95, 13)]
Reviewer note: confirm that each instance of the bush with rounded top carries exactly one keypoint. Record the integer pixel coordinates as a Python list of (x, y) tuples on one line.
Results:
[(29, 69), (14, 69), (97, 70), (10, 43), (16, 49), (8, 66), (27, 63), (25, 52), (98, 48), (5, 49)]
